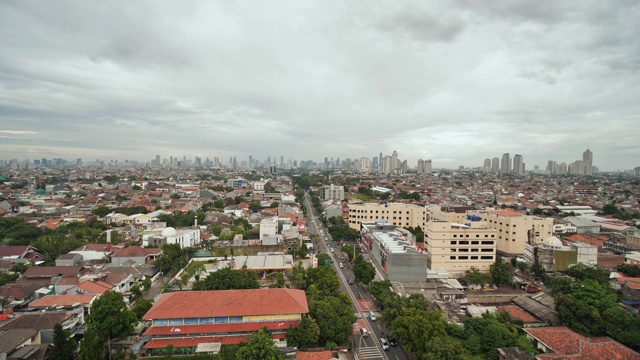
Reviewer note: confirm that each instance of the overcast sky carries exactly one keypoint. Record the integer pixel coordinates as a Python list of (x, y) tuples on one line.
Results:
[(454, 81)]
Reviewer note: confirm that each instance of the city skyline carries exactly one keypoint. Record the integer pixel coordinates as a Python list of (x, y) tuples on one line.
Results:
[(455, 84)]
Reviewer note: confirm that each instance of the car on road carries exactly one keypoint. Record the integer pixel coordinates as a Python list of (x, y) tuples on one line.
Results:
[(384, 343), (392, 341), (364, 332), (372, 316), (341, 265), (350, 281)]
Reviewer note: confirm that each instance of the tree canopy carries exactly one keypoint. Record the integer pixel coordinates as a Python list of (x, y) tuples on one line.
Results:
[(228, 279), (260, 346)]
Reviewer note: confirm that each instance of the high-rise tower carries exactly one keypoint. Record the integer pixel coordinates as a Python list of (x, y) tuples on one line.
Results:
[(518, 167), (587, 162), (505, 164)]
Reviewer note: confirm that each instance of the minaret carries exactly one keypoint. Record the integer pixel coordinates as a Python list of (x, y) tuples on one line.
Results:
[(195, 225)]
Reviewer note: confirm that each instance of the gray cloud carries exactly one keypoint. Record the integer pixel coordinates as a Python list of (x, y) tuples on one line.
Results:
[(457, 82)]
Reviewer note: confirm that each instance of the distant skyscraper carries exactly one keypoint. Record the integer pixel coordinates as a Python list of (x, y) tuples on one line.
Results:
[(380, 162), (587, 160), (365, 164), (518, 165), (427, 166), (420, 168), (394, 161), (505, 164), (487, 165), (562, 168), (495, 165)]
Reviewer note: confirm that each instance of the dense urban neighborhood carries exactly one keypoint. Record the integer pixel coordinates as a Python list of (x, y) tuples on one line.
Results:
[(204, 260)]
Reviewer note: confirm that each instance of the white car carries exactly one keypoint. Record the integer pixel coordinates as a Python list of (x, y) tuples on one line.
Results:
[(384, 343)]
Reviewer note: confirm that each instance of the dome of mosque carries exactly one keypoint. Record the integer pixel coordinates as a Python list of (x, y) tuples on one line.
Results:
[(169, 232), (553, 242)]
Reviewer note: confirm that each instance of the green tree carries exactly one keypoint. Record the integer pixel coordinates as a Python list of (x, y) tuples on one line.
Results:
[(363, 271), (109, 316), (274, 204), (445, 348), (501, 273), (64, 347), (255, 206), (92, 346), (610, 209), (259, 347), (228, 279), (522, 266), (583, 271), (324, 279), (539, 271), (101, 211), (307, 332), (141, 307), (473, 276), (334, 316), (298, 276), (416, 327)]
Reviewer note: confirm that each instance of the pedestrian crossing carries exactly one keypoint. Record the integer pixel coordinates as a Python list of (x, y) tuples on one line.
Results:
[(369, 353)]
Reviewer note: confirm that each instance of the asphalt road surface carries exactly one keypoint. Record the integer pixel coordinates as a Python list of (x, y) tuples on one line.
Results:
[(367, 348)]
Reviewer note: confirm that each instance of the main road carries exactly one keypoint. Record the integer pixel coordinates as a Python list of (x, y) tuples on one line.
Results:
[(369, 347)]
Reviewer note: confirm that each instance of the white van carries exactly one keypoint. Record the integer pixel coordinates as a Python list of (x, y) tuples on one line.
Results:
[(364, 332)]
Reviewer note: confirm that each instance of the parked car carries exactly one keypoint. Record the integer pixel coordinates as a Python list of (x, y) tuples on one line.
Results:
[(372, 316), (392, 342), (364, 332), (350, 281)]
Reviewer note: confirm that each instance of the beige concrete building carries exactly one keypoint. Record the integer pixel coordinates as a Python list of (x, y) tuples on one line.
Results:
[(455, 214), (456, 247), (514, 229), (396, 214)]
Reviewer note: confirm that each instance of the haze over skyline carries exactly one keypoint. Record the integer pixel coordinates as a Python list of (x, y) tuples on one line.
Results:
[(455, 83)]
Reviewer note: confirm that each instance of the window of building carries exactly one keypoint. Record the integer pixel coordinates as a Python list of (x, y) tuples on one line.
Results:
[(452, 257), (486, 250), (487, 242), (452, 250), (474, 250), (454, 235), (454, 242), (464, 242), (464, 250), (493, 235), (463, 258), (475, 242), (474, 258), (486, 257)]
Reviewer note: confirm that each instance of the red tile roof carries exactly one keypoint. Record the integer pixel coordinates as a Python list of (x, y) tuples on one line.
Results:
[(136, 251), (567, 344), (93, 287), (517, 312), (506, 213), (49, 271), (316, 355), (228, 303), (62, 300), (192, 342), (6, 251), (220, 328)]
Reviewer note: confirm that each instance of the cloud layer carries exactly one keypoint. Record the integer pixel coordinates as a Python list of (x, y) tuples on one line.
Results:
[(455, 82)]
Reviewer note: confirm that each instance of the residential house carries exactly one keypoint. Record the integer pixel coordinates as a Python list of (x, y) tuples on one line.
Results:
[(560, 342), (135, 255)]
